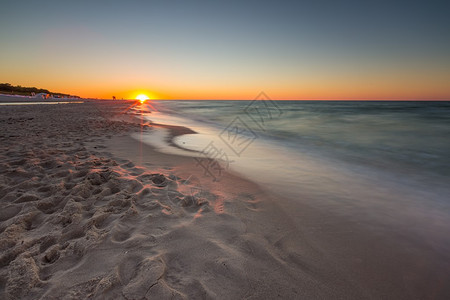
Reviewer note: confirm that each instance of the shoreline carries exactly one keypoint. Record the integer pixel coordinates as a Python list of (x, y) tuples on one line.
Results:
[(373, 251), (353, 260), (87, 211)]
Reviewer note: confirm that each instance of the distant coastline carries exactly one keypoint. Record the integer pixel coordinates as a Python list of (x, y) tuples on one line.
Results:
[(8, 89)]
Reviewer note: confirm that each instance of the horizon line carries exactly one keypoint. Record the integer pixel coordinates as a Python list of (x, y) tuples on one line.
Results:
[(444, 100)]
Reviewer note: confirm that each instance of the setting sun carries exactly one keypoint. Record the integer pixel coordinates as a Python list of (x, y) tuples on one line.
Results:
[(142, 98)]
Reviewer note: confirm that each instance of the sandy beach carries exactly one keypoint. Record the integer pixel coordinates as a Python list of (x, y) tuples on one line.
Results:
[(86, 212), (78, 222)]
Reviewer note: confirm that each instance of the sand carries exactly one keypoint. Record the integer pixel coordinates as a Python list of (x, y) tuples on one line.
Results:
[(79, 223), (88, 212)]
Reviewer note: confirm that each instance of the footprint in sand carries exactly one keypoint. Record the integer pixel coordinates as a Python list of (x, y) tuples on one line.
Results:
[(252, 203), (121, 232), (128, 267), (184, 186), (9, 212), (159, 180), (27, 198), (51, 255), (146, 279)]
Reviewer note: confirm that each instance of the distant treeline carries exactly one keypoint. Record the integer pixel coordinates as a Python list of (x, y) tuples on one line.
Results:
[(6, 88)]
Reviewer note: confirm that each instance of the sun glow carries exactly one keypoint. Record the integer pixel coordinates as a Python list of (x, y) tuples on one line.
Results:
[(142, 98)]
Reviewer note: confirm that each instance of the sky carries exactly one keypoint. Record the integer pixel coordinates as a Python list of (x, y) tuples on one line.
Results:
[(323, 49)]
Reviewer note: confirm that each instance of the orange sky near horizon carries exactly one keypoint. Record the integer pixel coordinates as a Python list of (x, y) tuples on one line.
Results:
[(363, 88), (85, 75)]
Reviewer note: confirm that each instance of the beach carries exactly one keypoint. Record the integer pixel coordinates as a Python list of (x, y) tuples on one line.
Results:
[(90, 209)]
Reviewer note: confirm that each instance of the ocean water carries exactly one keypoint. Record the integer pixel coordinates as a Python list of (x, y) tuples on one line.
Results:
[(381, 162), (411, 138)]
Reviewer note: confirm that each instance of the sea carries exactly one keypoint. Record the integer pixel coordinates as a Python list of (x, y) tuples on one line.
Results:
[(380, 162)]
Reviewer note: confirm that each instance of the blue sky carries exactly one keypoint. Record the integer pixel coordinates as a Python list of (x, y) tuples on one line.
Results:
[(229, 49)]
